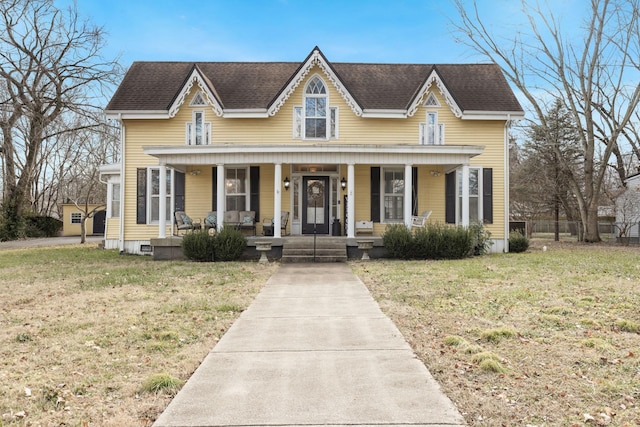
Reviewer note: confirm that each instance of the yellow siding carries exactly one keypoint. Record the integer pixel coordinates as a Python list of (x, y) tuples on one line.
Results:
[(278, 130)]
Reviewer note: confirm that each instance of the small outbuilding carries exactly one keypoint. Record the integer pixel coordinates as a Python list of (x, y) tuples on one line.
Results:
[(72, 217), (628, 210)]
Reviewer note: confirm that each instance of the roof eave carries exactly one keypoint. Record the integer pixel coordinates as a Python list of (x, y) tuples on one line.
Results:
[(136, 114), (492, 115)]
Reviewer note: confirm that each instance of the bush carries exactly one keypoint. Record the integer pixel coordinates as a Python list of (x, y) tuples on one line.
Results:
[(199, 246), (518, 242), (229, 244), (42, 226), (435, 241), (481, 239), (12, 225), (398, 241)]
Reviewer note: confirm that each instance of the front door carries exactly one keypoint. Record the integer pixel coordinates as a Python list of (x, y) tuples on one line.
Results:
[(315, 205)]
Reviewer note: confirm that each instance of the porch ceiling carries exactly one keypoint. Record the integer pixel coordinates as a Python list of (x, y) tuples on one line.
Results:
[(318, 153)]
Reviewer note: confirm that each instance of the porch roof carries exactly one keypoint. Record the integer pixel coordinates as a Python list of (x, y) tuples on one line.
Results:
[(315, 153)]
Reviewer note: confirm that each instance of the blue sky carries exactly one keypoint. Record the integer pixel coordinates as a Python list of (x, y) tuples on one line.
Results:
[(398, 31)]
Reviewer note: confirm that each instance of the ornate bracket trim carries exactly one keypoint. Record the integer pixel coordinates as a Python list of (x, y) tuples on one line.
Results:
[(434, 77), (315, 59), (204, 90)]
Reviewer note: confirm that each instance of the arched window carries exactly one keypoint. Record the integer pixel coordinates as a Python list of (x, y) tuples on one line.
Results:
[(315, 109)]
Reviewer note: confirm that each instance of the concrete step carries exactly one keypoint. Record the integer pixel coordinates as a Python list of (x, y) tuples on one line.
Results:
[(326, 250)]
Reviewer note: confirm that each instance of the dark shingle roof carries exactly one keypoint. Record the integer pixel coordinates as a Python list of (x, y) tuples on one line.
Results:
[(152, 86)]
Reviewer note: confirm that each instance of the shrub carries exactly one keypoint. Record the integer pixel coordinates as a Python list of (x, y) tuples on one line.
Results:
[(398, 241), (12, 224), (42, 226), (229, 244), (437, 241), (199, 246), (518, 242), (481, 239)]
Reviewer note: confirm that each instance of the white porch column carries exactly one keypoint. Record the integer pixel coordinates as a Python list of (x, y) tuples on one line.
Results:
[(351, 202), (277, 200), (162, 203), (407, 209), (220, 196), (464, 209)]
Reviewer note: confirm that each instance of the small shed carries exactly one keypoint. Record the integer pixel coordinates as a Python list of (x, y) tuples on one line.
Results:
[(628, 210), (72, 216)]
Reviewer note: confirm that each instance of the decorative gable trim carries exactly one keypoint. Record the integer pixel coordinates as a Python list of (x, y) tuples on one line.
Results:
[(419, 100), (204, 91), (316, 58)]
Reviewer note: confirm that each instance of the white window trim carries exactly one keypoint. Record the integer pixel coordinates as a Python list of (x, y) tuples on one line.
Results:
[(198, 96), (247, 185), (190, 135), (384, 169), (76, 218), (170, 196), (432, 101), (479, 195), (110, 193), (334, 133), (297, 130), (325, 95)]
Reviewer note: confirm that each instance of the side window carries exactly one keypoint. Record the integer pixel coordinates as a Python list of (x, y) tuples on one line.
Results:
[(236, 187), (114, 201), (153, 195)]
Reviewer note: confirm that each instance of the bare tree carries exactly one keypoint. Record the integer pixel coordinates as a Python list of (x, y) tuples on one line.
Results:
[(595, 77), (51, 69)]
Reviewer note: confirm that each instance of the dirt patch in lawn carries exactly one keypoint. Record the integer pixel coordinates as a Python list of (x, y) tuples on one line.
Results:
[(82, 329), (543, 338)]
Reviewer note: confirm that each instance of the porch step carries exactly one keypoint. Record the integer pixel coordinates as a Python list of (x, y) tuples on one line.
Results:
[(300, 249)]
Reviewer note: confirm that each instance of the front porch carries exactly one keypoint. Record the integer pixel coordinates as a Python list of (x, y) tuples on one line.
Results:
[(169, 248)]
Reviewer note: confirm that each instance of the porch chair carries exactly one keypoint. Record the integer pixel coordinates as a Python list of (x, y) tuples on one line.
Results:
[(185, 223), (420, 221), (267, 224), (211, 221)]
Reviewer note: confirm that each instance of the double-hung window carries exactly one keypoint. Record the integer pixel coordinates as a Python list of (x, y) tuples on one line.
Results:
[(153, 195), (114, 201), (475, 201), (198, 131), (315, 120), (236, 188), (393, 195)]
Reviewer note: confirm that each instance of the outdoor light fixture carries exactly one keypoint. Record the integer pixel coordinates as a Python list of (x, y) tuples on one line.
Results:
[(286, 183), (435, 173), (343, 183), (195, 172)]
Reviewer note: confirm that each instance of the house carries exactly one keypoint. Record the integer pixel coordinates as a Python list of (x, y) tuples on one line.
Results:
[(72, 217), (329, 143), (628, 210)]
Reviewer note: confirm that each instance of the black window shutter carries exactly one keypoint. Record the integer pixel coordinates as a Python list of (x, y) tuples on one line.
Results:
[(450, 198), (487, 195), (254, 195), (375, 194), (178, 191), (141, 196), (414, 191), (214, 188)]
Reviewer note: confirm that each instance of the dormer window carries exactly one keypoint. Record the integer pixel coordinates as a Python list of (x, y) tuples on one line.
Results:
[(198, 131), (315, 120)]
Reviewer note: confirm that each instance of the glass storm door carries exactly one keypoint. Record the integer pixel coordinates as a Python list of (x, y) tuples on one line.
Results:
[(315, 205)]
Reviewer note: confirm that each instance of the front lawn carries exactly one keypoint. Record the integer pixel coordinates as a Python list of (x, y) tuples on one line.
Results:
[(84, 331), (540, 338)]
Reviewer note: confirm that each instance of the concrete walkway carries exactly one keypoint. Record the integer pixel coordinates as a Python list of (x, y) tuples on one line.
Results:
[(47, 242), (313, 349)]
